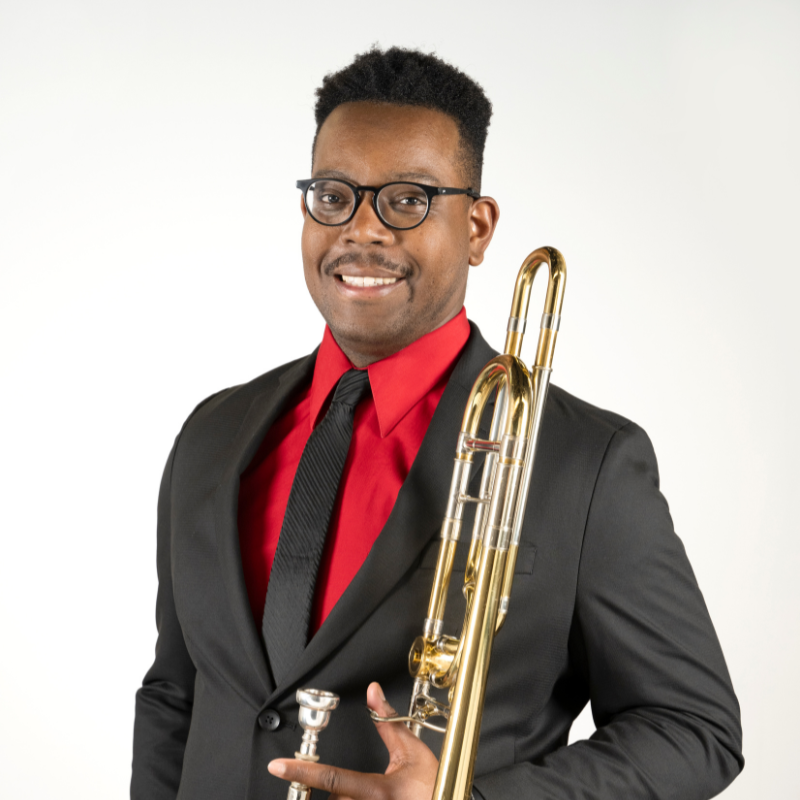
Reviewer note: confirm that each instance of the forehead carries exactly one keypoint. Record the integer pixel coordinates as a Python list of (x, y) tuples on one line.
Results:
[(381, 141)]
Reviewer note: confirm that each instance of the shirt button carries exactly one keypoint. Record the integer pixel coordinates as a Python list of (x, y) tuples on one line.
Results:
[(269, 720)]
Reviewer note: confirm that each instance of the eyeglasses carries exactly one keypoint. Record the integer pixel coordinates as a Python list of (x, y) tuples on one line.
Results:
[(400, 205)]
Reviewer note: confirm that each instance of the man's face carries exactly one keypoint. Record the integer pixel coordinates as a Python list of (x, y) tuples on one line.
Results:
[(371, 144)]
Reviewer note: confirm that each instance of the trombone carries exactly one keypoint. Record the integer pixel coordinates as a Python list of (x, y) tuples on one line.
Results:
[(461, 664)]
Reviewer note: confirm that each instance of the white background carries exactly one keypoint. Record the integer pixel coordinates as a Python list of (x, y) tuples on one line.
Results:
[(149, 248)]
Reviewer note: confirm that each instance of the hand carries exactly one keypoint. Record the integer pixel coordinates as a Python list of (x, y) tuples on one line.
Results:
[(410, 775)]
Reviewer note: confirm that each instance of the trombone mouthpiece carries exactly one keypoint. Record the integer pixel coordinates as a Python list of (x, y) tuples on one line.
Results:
[(316, 707)]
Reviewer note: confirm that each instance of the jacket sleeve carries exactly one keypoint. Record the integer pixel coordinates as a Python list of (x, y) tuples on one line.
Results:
[(164, 702), (667, 717)]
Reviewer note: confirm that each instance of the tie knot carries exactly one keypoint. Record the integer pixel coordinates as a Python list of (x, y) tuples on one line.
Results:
[(353, 386)]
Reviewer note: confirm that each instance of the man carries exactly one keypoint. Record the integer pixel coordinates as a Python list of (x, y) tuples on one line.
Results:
[(275, 573)]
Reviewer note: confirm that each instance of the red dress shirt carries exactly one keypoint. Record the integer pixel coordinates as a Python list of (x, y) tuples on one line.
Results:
[(388, 429)]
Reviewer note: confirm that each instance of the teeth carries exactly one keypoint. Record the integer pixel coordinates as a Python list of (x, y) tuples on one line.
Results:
[(352, 280)]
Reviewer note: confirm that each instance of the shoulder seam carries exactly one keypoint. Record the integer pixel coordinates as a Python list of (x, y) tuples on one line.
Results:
[(186, 422)]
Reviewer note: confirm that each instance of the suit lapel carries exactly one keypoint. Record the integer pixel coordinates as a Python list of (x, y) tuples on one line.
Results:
[(265, 408), (414, 520)]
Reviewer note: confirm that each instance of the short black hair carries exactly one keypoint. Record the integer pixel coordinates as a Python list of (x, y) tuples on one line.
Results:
[(413, 78)]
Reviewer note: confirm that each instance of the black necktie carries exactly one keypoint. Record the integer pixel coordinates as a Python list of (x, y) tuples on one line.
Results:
[(290, 592)]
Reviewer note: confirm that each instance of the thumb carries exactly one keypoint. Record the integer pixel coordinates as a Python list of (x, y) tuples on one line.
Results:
[(376, 700), (395, 735)]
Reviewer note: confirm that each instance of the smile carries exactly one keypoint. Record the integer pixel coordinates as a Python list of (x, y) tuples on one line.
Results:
[(353, 280)]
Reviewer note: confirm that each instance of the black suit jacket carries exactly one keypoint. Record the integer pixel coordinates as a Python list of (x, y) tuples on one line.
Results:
[(604, 608)]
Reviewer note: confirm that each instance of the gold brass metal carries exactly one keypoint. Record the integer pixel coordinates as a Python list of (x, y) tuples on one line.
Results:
[(461, 664)]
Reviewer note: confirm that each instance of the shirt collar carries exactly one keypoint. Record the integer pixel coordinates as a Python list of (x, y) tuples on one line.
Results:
[(399, 381)]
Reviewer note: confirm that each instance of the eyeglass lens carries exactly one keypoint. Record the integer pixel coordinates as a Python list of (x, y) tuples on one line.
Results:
[(401, 205)]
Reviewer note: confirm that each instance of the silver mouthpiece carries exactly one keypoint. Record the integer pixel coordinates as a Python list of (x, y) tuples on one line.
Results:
[(315, 714)]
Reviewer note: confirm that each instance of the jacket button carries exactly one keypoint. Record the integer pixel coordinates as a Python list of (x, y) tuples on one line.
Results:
[(269, 720)]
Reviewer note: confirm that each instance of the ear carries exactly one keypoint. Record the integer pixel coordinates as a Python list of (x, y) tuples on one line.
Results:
[(483, 218), (303, 209)]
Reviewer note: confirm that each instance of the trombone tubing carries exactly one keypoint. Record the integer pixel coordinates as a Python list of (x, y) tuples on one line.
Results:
[(551, 316), (510, 373), (457, 758)]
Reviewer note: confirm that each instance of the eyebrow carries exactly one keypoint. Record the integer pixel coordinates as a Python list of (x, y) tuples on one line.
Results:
[(424, 177), (417, 176)]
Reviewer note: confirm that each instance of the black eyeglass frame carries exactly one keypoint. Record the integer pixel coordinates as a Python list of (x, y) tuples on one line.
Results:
[(430, 192)]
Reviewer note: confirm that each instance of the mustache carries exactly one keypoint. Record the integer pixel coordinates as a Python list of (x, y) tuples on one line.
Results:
[(374, 260)]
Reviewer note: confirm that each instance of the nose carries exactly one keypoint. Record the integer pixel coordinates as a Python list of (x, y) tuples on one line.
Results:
[(365, 227)]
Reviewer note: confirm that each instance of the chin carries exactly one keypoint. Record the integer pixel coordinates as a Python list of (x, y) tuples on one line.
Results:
[(369, 337)]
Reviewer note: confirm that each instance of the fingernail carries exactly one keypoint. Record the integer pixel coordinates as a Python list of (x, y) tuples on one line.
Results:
[(277, 768)]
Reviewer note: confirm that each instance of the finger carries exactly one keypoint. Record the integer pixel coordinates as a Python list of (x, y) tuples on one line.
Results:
[(376, 700), (344, 782), (396, 736)]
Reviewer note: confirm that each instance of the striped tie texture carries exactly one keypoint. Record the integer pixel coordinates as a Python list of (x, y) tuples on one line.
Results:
[(290, 592)]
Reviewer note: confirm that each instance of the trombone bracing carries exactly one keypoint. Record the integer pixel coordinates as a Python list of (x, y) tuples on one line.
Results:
[(461, 664)]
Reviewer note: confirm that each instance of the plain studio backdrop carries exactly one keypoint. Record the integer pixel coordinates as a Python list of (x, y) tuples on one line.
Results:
[(149, 246)]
